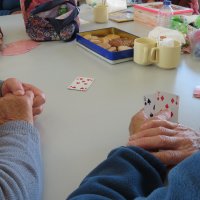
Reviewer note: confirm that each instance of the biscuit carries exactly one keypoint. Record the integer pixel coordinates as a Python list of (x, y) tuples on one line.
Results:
[(96, 41), (122, 48), (104, 45), (112, 49), (88, 36), (112, 36), (94, 38), (122, 42)]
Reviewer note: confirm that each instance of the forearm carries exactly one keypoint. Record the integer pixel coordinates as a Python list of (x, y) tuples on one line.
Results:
[(127, 173), (183, 181), (20, 162)]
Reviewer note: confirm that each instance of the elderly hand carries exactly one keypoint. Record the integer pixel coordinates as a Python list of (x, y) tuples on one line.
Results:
[(168, 141), (139, 119), (15, 87), (136, 121), (14, 107)]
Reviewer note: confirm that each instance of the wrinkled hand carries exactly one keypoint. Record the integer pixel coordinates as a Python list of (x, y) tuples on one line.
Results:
[(15, 87), (136, 121), (14, 107), (140, 118), (168, 141)]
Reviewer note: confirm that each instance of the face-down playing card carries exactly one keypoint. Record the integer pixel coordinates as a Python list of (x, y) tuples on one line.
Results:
[(161, 101), (81, 83)]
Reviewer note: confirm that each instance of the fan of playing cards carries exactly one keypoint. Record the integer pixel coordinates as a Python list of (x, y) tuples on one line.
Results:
[(154, 103)]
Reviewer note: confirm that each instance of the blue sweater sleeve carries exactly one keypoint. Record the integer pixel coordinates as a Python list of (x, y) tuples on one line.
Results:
[(183, 182), (127, 173), (20, 162), (132, 173)]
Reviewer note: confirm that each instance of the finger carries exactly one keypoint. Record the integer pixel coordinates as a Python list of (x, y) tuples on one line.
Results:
[(157, 142), (163, 115), (141, 112), (12, 85), (136, 121), (34, 89), (158, 123), (39, 100), (153, 132), (37, 110), (171, 157), (29, 94), (39, 95)]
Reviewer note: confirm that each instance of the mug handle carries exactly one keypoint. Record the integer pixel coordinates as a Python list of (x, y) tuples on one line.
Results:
[(154, 55)]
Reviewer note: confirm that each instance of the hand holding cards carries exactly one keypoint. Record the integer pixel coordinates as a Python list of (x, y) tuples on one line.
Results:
[(159, 101)]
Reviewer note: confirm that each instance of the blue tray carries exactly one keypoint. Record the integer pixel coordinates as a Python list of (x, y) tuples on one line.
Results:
[(111, 57)]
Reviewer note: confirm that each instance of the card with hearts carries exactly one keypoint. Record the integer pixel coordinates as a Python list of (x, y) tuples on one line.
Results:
[(81, 83)]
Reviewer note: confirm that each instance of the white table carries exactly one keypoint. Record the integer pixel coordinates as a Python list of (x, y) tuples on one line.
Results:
[(78, 129)]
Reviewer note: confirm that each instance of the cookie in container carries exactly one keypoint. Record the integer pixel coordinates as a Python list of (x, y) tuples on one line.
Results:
[(111, 44)]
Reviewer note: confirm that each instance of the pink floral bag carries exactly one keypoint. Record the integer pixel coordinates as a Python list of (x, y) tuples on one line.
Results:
[(47, 20), (28, 5)]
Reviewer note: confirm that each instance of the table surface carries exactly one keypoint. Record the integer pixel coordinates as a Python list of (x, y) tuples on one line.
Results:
[(78, 129)]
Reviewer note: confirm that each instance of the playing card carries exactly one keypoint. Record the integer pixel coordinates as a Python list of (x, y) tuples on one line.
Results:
[(169, 101), (81, 83), (149, 105)]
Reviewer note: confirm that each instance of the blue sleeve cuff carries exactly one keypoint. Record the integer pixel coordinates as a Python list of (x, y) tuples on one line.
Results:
[(19, 127)]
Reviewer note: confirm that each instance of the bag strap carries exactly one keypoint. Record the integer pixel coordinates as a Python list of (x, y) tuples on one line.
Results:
[(65, 21), (59, 24), (49, 5)]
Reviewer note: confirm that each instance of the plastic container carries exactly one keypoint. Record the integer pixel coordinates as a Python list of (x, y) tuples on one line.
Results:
[(195, 43), (165, 14)]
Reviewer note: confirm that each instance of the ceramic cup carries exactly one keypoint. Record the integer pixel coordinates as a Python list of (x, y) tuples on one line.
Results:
[(142, 50), (166, 57), (100, 13)]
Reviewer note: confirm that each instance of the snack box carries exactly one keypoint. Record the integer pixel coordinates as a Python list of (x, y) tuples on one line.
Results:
[(111, 57), (148, 12)]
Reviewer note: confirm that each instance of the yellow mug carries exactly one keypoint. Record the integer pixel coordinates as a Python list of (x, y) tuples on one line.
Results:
[(100, 13), (142, 50), (166, 57)]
